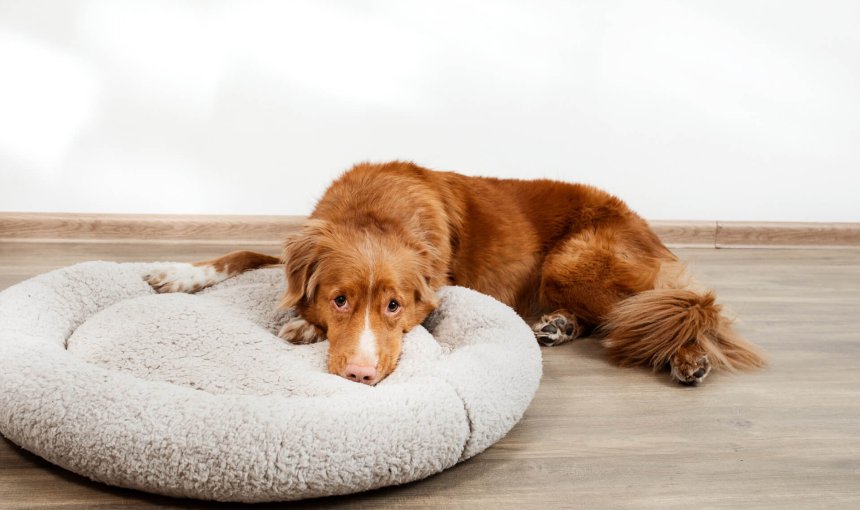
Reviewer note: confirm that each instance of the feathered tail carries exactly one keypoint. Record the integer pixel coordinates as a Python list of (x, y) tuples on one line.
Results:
[(651, 327)]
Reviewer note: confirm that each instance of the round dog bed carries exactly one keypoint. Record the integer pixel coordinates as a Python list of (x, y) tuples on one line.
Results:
[(194, 395)]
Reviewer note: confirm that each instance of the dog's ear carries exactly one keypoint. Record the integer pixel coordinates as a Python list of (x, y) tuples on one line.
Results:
[(425, 286), (425, 298), (425, 259), (302, 254)]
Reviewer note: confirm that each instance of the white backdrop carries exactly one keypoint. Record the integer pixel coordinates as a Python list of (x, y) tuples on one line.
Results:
[(718, 110)]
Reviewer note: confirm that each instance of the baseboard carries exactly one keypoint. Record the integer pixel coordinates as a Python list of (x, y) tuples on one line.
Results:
[(740, 234), (142, 228), (262, 230)]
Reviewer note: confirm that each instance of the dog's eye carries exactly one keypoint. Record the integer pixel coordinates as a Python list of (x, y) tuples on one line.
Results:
[(393, 306), (340, 301)]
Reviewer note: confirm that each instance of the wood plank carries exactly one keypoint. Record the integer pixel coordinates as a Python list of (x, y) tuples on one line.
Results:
[(597, 436)]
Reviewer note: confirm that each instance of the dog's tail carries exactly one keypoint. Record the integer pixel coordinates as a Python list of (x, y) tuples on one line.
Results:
[(650, 327)]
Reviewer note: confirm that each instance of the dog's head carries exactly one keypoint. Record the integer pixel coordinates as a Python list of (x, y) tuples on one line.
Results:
[(364, 288)]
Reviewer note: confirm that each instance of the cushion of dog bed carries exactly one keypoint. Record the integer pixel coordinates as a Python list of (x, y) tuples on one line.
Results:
[(195, 395)]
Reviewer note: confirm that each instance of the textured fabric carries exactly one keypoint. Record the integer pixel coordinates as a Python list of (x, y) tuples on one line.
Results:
[(194, 395)]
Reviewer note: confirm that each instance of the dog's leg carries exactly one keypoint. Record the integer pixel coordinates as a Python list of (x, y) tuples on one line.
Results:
[(557, 328), (603, 280), (577, 282), (300, 332), (185, 277)]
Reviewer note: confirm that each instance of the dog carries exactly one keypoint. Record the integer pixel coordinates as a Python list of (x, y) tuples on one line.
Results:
[(570, 259)]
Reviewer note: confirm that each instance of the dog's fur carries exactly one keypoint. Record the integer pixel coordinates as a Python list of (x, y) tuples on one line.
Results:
[(569, 258)]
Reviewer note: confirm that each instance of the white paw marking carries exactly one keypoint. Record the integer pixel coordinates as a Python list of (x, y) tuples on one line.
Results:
[(299, 331), (185, 277)]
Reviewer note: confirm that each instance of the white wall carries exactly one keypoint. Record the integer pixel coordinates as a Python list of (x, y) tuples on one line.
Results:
[(689, 109)]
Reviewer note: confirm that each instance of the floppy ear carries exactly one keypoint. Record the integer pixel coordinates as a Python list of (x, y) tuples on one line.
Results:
[(424, 259), (424, 284), (301, 256), (425, 298)]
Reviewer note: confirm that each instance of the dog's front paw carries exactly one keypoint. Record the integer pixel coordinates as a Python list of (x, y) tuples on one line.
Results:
[(184, 277), (300, 332), (689, 366), (556, 328)]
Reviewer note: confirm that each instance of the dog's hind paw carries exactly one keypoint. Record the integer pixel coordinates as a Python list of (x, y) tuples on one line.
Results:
[(689, 366), (556, 328)]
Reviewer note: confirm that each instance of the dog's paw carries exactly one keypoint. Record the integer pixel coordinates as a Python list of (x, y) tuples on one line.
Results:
[(184, 277), (556, 328), (300, 332), (689, 367)]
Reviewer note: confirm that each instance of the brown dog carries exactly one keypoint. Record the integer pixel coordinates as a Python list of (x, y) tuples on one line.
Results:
[(569, 258)]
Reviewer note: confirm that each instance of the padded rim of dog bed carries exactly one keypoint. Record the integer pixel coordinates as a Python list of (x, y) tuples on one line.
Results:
[(117, 428)]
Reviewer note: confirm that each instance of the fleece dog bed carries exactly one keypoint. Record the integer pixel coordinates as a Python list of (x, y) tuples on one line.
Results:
[(194, 395)]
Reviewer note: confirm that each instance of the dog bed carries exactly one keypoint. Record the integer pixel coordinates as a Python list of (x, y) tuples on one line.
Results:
[(195, 396)]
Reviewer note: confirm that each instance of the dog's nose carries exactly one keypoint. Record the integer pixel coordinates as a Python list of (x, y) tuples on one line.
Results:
[(360, 373)]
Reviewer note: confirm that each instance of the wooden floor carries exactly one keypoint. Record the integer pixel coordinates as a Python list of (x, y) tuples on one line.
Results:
[(601, 437)]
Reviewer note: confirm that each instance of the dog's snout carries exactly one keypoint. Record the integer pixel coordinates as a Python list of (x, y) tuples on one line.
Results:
[(360, 373)]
